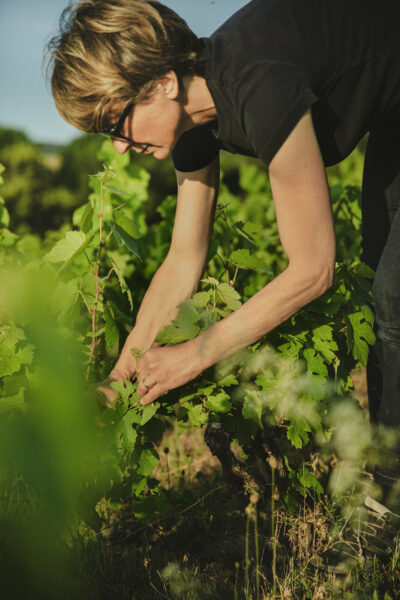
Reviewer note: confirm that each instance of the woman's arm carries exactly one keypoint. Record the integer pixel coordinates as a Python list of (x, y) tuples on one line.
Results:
[(177, 278), (304, 217)]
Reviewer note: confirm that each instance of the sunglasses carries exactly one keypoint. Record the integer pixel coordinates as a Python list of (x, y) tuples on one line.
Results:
[(115, 131)]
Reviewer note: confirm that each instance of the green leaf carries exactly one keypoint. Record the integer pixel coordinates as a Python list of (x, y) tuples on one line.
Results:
[(129, 434), (323, 342), (9, 362), (65, 295), (362, 335), (364, 270), (124, 238), (148, 460), (241, 230), (7, 238), (4, 215), (149, 410), (315, 363), (126, 224), (124, 388), (227, 381), (211, 281), (229, 296), (122, 282), (69, 248), (184, 327), (309, 481), (243, 258), (25, 355), (220, 403), (138, 485), (252, 229), (297, 433), (252, 408), (196, 414), (201, 299), (111, 328), (83, 217), (368, 314), (10, 335)]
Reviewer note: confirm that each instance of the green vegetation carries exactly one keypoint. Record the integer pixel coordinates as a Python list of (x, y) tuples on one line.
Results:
[(127, 502)]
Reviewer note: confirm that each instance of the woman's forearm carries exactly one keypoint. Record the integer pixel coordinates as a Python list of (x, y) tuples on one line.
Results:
[(175, 281), (269, 307)]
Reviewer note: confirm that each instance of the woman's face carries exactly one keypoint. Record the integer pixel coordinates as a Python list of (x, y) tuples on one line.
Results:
[(155, 125)]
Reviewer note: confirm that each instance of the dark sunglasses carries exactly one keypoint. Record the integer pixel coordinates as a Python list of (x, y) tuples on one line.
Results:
[(115, 132)]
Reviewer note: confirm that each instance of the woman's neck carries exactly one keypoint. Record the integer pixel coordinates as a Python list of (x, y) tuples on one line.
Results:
[(198, 103)]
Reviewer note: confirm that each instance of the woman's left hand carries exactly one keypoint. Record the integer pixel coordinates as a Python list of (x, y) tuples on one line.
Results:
[(162, 369)]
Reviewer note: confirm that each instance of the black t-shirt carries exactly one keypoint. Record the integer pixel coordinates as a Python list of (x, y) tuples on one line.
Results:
[(275, 59)]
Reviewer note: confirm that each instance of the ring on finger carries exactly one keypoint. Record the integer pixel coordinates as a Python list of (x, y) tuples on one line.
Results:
[(145, 384)]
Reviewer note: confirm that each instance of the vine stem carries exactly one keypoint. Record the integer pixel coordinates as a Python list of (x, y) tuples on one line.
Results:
[(99, 290), (273, 532), (235, 275)]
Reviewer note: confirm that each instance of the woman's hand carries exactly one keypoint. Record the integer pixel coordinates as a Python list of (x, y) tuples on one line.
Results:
[(125, 368), (165, 368)]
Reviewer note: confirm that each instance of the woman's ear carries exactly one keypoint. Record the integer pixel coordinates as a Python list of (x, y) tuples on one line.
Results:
[(170, 85)]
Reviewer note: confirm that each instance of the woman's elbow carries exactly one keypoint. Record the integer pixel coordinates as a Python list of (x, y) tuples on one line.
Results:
[(314, 281), (323, 278)]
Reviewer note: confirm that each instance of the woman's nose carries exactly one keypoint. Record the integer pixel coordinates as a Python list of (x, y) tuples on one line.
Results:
[(121, 146)]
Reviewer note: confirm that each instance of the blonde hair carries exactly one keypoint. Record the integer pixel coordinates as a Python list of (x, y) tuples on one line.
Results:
[(112, 52)]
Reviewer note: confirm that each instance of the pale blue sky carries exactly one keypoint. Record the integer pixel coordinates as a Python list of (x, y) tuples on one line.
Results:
[(25, 25)]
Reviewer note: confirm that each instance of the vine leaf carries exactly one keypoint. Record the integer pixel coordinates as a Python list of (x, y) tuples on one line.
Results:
[(309, 481), (323, 342), (220, 403), (201, 299), (148, 413), (297, 433), (121, 279), (362, 335), (148, 460), (315, 363), (229, 296), (243, 258), (111, 328), (124, 238), (129, 434), (9, 363), (66, 250), (196, 414), (252, 408), (184, 327)]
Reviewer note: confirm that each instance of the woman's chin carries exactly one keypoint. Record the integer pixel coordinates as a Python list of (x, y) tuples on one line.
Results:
[(160, 153)]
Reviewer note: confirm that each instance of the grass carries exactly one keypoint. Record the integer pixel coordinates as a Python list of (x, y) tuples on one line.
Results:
[(217, 544)]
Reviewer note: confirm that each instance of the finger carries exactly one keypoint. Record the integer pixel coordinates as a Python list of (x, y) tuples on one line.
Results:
[(106, 394), (143, 389), (141, 364), (152, 394)]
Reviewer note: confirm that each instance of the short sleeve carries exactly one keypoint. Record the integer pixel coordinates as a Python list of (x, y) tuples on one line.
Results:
[(271, 98), (195, 149)]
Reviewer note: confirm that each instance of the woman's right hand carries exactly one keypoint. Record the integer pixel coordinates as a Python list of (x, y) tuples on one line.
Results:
[(116, 374), (125, 368)]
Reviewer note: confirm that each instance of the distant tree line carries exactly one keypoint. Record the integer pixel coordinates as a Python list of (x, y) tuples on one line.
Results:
[(44, 184)]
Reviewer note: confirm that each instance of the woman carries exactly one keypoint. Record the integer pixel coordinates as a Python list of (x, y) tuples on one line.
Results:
[(296, 83)]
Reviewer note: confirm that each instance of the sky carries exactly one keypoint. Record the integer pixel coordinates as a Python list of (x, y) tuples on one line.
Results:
[(25, 26)]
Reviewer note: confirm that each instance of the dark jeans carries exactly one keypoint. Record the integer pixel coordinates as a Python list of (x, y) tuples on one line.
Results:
[(381, 251)]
